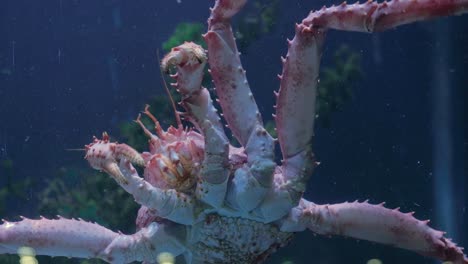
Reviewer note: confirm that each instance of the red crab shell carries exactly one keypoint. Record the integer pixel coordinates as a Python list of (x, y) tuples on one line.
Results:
[(174, 159)]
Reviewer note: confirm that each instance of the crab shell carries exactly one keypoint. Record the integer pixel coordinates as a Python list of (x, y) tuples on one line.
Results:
[(174, 160)]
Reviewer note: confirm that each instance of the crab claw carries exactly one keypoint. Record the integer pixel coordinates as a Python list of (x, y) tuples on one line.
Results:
[(187, 53), (104, 155)]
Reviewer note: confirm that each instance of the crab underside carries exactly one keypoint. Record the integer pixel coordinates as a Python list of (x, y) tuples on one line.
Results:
[(212, 202)]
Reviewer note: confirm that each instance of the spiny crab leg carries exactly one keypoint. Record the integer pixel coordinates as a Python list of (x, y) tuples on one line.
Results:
[(190, 60), (89, 240), (251, 182), (170, 204), (372, 16), (295, 109), (236, 99), (374, 223), (52, 237), (296, 98)]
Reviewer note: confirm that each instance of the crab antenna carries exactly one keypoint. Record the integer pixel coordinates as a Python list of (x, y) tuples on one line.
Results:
[(75, 149), (176, 113)]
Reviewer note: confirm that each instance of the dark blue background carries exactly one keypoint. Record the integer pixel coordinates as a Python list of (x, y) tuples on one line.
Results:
[(72, 69)]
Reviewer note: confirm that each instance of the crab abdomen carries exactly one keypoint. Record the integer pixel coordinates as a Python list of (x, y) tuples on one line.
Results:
[(221, 239)]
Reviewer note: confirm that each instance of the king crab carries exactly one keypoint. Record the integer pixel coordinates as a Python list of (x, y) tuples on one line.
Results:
[(214, 203)]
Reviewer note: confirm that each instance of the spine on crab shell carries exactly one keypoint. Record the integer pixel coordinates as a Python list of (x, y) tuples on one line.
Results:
[(374, 223), (55, 237)]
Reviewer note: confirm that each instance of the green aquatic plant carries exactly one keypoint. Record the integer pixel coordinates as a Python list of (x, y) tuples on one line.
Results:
[(257, 21), (269, 13), (77, 192), (13, 190), (270, 127), (185, 32), (336, 83)]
